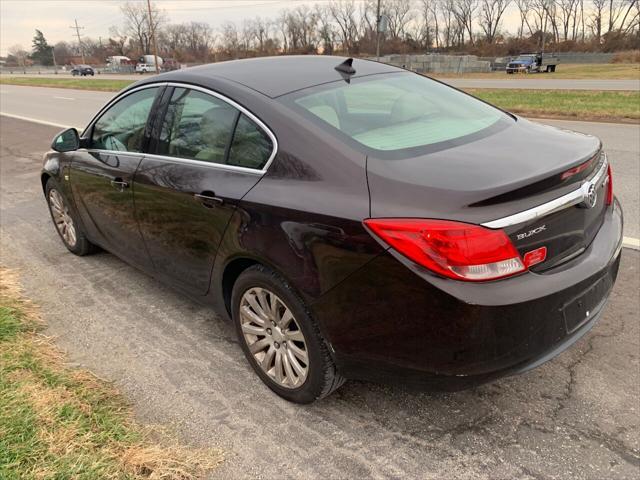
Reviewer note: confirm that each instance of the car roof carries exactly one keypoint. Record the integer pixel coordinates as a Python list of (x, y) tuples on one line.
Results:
[(276, 76)]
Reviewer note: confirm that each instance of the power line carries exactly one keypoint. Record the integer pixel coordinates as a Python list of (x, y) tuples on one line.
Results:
[(77, 29)]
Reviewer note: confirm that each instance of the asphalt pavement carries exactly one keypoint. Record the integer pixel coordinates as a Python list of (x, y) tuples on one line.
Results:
[(576, 417), (541, 81), (66, 107)]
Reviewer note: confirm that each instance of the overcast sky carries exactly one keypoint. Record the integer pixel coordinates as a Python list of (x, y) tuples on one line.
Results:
[(20, 18)]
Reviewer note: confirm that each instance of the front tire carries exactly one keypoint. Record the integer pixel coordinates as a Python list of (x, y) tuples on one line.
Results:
[(281, 341), (64, 220)]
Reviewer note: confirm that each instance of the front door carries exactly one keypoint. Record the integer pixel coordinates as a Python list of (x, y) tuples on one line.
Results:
[(102, 175), (207, 155)]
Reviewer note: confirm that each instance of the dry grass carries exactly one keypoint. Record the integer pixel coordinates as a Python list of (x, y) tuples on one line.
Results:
[(59, 422), (628, 56)]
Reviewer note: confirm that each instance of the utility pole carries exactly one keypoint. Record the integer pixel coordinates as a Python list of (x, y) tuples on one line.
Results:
[(378, 32), (77, 29), (53, 55), (152, 32)]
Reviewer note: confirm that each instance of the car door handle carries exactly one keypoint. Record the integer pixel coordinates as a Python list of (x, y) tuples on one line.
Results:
[(119, 183), (208, 199)]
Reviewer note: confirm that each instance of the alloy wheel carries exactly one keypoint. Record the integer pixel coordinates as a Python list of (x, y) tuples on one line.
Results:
[(274, 337), (62, 218)]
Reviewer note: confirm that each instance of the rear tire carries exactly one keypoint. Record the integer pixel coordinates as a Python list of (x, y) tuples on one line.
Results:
[(285, 330), (65, 221)]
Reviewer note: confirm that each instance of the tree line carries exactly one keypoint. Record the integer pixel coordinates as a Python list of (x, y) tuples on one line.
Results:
[(350, 27)]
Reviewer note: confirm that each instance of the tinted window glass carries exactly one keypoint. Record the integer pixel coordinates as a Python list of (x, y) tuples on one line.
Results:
[(251, 146), (197, 126), (395, 112), (121, 127)]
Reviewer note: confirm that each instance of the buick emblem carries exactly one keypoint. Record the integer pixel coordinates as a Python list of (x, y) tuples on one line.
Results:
[(590, 196)]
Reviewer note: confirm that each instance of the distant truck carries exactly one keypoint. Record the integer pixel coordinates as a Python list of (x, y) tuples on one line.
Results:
[(533, 62), (147, 63)]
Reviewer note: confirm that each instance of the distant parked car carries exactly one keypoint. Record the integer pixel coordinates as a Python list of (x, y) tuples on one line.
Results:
[(145, 67), (533, 62), (82, 70)]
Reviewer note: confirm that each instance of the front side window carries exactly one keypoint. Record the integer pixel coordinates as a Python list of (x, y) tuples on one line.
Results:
[(394, 112), (197, 126), (121, 127)]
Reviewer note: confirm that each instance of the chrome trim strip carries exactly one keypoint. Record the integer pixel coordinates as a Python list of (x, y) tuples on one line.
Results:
[(203, 163), (568, 200)]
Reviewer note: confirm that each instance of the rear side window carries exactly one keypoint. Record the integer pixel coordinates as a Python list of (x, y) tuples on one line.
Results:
[(251, 146), (121, 127), (396, 111), (197, 126)]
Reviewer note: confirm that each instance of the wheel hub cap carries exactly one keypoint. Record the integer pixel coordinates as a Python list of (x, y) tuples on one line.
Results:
[(62, 218), (274, 337)]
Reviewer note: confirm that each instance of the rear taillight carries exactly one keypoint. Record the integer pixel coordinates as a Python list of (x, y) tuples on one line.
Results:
[(609, 186), (455, 250)]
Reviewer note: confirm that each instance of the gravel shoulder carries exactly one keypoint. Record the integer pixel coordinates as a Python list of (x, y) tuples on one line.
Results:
[(576, 417)]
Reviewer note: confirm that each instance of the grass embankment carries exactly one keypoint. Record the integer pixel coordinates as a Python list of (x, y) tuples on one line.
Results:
[(570, 104), (595, 71), (82, 83), (59, 422), (611, 106)]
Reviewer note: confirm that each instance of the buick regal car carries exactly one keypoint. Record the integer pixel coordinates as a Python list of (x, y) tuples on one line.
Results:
[(352, 219)]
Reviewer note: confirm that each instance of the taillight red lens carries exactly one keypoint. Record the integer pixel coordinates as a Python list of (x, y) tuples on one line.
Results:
[(535, 257), (455, 250), (575, 170), (609, 197)]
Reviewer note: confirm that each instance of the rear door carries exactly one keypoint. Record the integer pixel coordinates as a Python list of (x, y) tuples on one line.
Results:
[(102, 175), (206, 155)]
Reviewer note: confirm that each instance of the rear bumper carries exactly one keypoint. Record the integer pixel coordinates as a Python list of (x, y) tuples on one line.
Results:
[(393, 321)]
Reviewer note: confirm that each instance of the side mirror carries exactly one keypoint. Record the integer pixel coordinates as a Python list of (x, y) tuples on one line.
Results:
[(66, 141)]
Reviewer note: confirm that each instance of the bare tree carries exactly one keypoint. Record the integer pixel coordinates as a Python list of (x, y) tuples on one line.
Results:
[(137, 25), (399, 14), (430, 19), (229, 40), (524, 10), (491, 12), (464, 12), (596, 18), (450, 24), (344, 14), (118, 41), (19, 54), (630, 19), (326, 29)]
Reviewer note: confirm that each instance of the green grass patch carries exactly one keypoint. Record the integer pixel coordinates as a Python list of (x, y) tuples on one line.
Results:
[(82, 83), (59, 422), (572, 104)]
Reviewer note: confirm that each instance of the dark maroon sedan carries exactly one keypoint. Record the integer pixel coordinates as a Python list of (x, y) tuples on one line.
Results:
[(353, 220)]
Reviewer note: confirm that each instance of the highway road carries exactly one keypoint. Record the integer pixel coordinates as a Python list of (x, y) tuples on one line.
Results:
[(66, 107), (575, 417), (532, 82)]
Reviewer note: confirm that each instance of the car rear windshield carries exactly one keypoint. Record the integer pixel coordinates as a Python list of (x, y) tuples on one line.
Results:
[(394, 112)]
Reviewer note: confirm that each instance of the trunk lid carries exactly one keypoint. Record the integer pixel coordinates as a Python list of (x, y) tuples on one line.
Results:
[(520, 168)]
